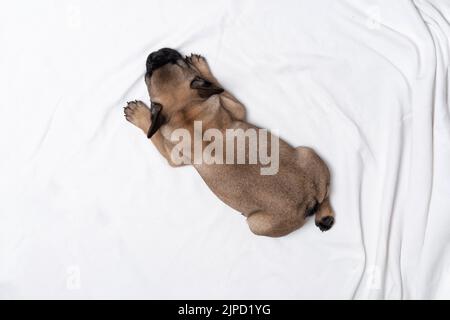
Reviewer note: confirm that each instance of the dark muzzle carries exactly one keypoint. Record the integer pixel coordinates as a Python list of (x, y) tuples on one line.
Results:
[(160, 58)]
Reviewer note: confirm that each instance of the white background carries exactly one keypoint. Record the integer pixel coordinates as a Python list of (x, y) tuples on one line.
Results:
[(89, 209)]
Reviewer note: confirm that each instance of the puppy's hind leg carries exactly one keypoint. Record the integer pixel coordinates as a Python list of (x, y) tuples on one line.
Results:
[(263, 223), (315, 167), (324, 218)]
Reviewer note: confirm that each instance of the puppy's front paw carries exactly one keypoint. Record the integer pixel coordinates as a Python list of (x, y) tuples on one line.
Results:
[(138, 114), (198, 62), (196, 58)]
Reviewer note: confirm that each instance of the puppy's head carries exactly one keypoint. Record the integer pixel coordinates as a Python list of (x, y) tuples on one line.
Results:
[(173, 81)]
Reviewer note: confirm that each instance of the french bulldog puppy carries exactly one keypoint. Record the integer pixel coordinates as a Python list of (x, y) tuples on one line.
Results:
[(184, 94)]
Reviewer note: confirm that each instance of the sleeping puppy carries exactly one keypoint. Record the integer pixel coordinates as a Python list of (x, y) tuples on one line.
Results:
[(184, 94)]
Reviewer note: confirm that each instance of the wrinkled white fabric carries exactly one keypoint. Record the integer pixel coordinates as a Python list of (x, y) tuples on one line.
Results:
[(89, 209)]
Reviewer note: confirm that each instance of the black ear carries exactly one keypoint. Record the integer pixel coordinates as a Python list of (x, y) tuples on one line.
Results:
[(157, 119), (205, 88)]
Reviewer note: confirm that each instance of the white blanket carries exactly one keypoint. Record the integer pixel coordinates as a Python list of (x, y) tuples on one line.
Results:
[(89, 208)]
